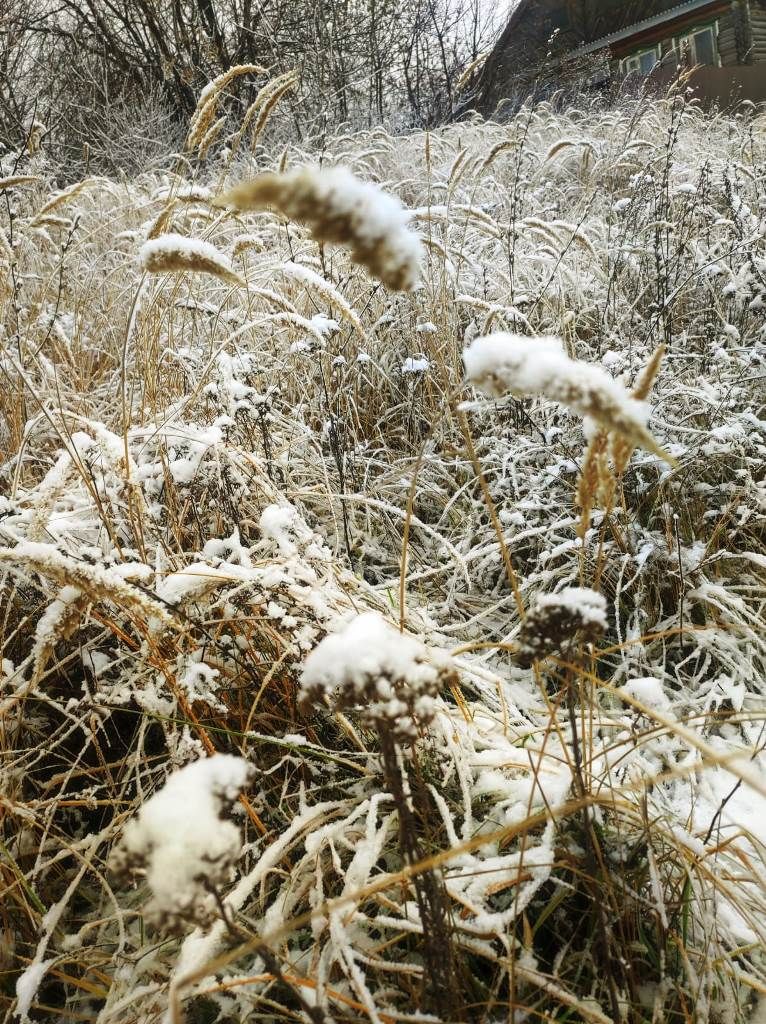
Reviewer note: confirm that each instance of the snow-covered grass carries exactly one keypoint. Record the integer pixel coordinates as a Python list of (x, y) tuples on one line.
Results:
[(547, 799)]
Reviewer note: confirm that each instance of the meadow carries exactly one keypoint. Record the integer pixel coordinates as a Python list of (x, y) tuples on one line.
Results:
[(382, 554)]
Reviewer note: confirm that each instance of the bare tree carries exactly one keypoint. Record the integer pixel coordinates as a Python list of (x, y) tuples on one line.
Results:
[(361, 61)]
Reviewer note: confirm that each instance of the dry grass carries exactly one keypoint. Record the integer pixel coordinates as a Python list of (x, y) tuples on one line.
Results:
[(200, 482)]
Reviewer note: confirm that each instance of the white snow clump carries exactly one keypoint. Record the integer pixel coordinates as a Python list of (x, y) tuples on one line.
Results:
[(392, 678), (182, 843), (504, 362)]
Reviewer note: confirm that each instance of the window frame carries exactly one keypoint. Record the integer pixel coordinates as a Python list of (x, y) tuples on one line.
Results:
[(632, 63), (689, 40)]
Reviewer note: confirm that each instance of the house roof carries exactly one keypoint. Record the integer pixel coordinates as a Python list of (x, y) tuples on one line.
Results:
[(483, 88), (487, 71), (644, 26)]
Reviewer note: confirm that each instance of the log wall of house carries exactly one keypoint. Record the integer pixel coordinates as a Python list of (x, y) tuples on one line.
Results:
[(742, 33), (758, 31), (518, 59), (727, 40)]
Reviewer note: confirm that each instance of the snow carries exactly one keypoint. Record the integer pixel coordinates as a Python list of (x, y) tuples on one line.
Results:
[(370, 663), (185, 193), (368, 646), (648, 691), (199, 947), (50, 620), (415, 365), (27, 985), (194, 580), (200, 682), (180, 838), (277, 523), (502, 362), (325, 325), (587, 604)]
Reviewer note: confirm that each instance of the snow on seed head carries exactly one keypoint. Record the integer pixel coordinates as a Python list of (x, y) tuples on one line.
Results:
[(503, 362), (181, 842), (341, 210), (556, 621), (176, 254), (390, 677)]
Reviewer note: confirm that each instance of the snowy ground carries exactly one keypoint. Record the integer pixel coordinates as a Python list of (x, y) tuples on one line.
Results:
[(218, 452)]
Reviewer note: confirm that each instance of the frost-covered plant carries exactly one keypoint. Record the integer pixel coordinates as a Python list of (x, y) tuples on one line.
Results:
[(204, 115), (556, 622), (343, 211), (174, 253), (505, 362), (390, 678), (200, 483), (184, 844)]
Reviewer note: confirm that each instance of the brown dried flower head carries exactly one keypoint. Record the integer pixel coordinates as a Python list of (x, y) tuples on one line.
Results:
[(389, 678), (558, 621)]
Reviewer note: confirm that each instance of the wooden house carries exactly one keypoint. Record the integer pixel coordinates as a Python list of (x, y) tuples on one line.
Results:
[(631, 36)]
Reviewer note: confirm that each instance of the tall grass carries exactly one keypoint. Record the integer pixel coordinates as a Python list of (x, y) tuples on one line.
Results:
[(204, 476)]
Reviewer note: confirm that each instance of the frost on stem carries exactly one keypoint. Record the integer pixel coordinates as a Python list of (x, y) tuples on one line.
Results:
[(183, 844), (500, 363), (557, 621), (391, 678), (207, 105), (177, 254), (341, 210)]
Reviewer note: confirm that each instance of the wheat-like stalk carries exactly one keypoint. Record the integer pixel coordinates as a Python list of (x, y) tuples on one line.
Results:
[(504, 146), (274, 298), (162, 220), (176, 254), (58, 199), (621, 447), (17, 180), (340, 210), (212, 133), (315, 281), (207, 105), (501, 362), (261, 107), (98, 582), (468, 71), (59, 622)]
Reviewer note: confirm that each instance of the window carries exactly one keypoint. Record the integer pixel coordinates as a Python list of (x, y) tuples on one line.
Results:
[(647, 61), (643, 62), (700, 47)]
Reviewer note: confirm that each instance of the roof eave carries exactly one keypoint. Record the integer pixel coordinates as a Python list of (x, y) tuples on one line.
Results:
[(641, 28)]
